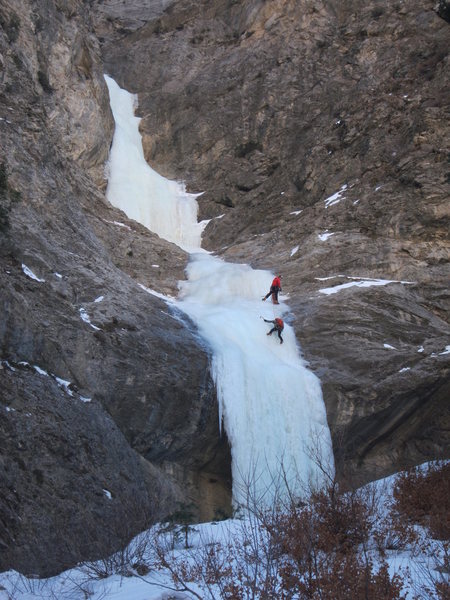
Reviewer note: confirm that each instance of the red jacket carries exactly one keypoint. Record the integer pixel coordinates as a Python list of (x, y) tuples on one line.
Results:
[(276, 282), (279, 323)]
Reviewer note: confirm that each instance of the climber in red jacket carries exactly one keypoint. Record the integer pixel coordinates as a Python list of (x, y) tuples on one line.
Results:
[(274, 289), (278, 326)]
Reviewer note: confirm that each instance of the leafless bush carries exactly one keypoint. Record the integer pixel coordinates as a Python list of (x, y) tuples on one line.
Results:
[(432, 571), (66, 587), (423, 497), (324, 549), (126, 562), (331, 544), (319, 547)]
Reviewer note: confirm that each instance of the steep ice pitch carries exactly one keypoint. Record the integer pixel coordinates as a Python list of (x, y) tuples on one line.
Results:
[(270, 404)]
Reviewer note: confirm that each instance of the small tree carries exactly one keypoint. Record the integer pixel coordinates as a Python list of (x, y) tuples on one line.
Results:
[(178, 522)]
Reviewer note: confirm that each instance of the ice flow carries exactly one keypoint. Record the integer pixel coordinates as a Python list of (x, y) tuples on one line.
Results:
[(270, 404), (163, 206)]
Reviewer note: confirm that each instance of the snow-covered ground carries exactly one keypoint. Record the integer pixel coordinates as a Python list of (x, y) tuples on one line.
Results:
[(270, 404), (118, 578)]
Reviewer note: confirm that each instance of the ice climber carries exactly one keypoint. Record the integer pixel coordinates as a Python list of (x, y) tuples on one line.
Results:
[(278, 326), (274, 289)]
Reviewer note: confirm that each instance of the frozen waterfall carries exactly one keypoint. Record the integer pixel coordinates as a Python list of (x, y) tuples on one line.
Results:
[(270, 404), (163, 206)]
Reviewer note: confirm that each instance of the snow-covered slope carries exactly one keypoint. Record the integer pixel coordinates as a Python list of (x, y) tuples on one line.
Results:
[(242, 550)]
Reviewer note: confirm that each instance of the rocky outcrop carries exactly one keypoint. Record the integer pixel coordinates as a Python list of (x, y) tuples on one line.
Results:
[(318, 129), (66, 467), (79, 322)]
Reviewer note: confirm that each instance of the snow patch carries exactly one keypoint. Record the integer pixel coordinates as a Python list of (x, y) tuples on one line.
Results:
[(85, 317), (119, 224), (363, 283), (29, 273), (389, 347), (335, 198), (296, 212), (58, 275), (40, 371), (107, 494), (421, 349), (99, 299), (168, 299), (8, 365), (446, 351), (203, 224), (405, 369), (294, 250), (64, 384), (324, 236)]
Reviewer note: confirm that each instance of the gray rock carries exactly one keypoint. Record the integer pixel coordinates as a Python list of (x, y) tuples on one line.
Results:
[(71, 485)]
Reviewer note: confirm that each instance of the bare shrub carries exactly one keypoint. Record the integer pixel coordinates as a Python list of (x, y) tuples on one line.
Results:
[(423, 497), (125, 562), (314, 549), (129, 559), (324, 549), (432, 571), (330, 546)]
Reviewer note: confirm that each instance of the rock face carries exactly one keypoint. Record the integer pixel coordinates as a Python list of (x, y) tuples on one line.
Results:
[(65, 468), (318, 129)]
